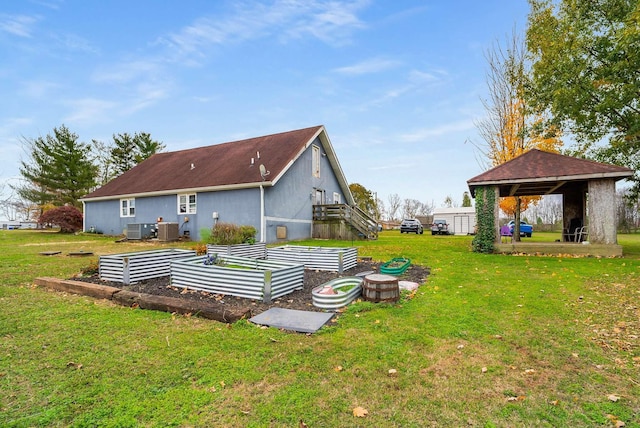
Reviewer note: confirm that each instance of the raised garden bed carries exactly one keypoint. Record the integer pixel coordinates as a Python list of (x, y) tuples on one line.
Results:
[(337, 293), (238, 276), (129, 268), (254, 251), (333, 259), (395, 266)]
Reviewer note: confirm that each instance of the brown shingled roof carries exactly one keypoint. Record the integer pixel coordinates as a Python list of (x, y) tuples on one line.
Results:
[(219, 166), (537, 172)]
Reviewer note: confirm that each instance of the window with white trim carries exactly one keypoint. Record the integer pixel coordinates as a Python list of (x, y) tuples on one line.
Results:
[(336, 198), (187, 203), (315, 161), (127, 207)]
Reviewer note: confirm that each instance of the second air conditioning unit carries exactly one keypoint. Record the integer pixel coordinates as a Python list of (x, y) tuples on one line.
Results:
[(168, 231)]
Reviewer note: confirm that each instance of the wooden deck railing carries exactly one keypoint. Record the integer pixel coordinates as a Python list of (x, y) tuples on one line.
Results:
[(354, 216)]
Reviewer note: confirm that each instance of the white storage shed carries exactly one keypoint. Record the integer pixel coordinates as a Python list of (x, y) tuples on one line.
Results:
[(461, 220)]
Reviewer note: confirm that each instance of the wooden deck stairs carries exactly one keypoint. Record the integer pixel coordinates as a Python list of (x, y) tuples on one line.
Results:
[(341, 221)]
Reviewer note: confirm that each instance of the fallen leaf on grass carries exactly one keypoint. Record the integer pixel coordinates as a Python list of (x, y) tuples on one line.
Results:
[(613, 397), (518, 398), (74, 365), (615, 421), (337, 368), (393, 372), (360, 412), (302, 424), (483, 370)]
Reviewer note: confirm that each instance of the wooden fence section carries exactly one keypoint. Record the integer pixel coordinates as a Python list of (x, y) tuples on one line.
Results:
[(239, 276), (129, 268), (333, 259)]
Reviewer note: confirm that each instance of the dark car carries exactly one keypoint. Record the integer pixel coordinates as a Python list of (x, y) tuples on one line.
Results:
[(411, 225), (525, 228), (440, 227)]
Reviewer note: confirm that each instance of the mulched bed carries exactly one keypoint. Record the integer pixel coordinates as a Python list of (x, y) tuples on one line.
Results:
[(300, 299)]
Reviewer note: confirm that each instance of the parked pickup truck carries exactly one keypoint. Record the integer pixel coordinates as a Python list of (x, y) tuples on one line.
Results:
[(439, 227), (525, 228)]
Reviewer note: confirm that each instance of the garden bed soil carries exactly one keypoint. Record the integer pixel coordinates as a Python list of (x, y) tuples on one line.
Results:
[(299, 299)]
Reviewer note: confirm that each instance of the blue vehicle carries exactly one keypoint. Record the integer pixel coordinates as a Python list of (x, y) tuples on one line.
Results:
[(525, 228)]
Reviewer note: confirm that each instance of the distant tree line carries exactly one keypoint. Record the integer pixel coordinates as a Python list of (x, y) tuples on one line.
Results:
[(396, 208), (59, 169)]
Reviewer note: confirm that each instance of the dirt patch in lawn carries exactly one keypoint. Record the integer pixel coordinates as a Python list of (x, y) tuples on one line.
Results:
[(299, 299)]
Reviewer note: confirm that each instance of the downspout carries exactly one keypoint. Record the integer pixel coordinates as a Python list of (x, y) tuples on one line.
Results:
[(263, 223), (84, 217)]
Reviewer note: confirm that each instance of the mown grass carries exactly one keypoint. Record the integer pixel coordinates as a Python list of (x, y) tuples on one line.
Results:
[(488, 340)]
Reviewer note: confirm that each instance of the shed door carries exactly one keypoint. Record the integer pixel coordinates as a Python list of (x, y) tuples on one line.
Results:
[(461, 225)]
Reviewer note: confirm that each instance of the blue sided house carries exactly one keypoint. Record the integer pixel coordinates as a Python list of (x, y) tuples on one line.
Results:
[(288, 186)]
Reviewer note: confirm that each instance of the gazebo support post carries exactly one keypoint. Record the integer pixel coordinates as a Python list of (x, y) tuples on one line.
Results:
[(602, 212)]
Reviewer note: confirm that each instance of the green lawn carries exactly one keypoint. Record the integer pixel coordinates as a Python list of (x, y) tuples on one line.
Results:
[(488, 340)]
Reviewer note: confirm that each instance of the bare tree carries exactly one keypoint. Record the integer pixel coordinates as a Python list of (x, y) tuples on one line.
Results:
[(393, 207), (380, 208), (628, 211), (411, 208), (14, 208), (547, 211), (426, 208), (449, 202), (510, 128)]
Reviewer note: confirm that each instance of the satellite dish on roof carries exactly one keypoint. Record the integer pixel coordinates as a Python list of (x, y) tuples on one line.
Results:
[(264, 172)]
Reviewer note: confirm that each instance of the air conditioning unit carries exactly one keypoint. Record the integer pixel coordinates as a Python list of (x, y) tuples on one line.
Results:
[(168, 231), (140, 230)]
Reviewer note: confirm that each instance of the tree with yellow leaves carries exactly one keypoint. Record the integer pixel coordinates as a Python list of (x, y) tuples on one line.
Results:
[(510, 129)]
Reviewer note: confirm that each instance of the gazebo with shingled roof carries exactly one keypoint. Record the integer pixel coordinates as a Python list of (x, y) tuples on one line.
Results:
[(588, 190)]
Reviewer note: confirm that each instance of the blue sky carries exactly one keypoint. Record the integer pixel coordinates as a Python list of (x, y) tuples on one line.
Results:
[(398, 84)]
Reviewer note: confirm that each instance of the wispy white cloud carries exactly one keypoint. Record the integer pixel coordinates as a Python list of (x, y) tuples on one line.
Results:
[(423, 134), (329, 21), (74, 43), (89, 110), (415, 81), (374, 65), (393, 166), (127, 71), (38, 88), (9, 125), (52, 4), (146, 94), (18, 25)]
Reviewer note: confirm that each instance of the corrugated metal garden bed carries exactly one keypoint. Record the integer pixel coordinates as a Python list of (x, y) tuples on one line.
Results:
[(332, 259), (255, 251), (238, 276), (129, 268), (337, 293)]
